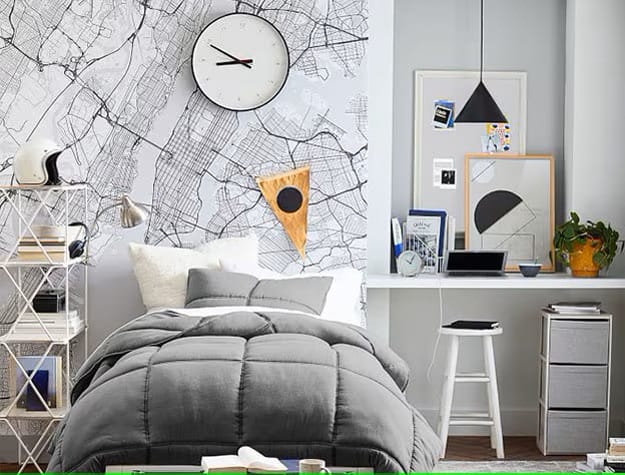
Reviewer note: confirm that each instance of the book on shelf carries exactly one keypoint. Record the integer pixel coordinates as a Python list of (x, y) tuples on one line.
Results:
[(451, 233), (21, 249), (40, 240), (426, 234), (398, 240), (52, 318), (39, 334), (616, 446), (28, 329), (246, 459), (574, 308), (397, 243), (51, 233), (39, 256), (52, 365)]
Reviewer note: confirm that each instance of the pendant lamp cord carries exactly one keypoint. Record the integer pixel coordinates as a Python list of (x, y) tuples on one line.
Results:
[(481, 39)]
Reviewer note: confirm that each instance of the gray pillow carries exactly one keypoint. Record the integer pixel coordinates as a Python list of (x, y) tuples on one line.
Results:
[(207, 288)]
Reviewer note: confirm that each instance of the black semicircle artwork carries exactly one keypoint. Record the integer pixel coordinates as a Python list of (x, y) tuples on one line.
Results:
[(290, 199), (494, 206)]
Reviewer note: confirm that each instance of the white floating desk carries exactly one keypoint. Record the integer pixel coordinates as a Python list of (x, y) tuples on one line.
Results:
[(510, 281), (381, 286)]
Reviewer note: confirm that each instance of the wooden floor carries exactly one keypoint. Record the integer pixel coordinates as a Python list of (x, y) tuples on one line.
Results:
[(462, 449), (516, 448)]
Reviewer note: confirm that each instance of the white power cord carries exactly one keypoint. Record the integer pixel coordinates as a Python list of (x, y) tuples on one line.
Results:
[(440, 324)]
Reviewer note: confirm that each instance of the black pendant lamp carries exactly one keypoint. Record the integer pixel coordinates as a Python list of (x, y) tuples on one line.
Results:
[(481, 107)]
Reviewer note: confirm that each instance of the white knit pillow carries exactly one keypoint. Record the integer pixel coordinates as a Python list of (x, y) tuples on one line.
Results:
[(162, 273)]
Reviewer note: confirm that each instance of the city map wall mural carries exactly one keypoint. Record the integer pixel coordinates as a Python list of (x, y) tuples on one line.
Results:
[(111, 81)]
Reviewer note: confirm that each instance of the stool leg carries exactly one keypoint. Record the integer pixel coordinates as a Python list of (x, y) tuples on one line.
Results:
[(448, 392), (493, 435), (489, 352)]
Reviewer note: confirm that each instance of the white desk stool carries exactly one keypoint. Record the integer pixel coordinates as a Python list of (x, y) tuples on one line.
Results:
[(493, 417)]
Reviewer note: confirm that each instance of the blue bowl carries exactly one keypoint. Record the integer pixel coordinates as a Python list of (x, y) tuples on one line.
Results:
[(530, 269)]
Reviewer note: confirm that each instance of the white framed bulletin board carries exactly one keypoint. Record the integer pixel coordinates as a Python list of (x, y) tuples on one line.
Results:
[(434, 145)]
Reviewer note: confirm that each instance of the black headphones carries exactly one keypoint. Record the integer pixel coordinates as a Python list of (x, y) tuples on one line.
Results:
[(77, 248)]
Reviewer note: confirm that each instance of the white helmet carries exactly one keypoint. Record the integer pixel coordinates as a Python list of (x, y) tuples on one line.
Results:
[(35, 163)]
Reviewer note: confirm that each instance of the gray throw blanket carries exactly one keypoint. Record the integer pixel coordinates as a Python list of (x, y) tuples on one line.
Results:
[(168, 388)]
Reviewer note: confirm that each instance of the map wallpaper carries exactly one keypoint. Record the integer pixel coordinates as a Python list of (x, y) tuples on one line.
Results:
[(111, 81)]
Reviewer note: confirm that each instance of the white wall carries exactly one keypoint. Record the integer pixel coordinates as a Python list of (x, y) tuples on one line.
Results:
[(382, 16), (595, 157), (519, 36)]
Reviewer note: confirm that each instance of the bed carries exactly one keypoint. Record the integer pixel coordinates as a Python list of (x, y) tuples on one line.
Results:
[(227, 358), (172, 386)]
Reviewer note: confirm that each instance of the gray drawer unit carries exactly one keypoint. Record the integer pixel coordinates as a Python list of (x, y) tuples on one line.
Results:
[(577, 387), (575, 432), (574, 385), (579, 342)]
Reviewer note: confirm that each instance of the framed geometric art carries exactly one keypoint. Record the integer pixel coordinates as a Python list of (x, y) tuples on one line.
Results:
[(509, 205)]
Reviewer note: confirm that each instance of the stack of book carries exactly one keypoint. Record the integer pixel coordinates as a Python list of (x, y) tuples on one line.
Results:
[(57, 324), (31, 250), (615, 459), (576, 308)]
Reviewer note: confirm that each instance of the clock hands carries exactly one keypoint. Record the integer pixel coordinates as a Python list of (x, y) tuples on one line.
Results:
[(229, 63), (236, 60)]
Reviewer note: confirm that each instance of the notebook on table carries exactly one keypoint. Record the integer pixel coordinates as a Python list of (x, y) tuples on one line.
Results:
[(473, 325)]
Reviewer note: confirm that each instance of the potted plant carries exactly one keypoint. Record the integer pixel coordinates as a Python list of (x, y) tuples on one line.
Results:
[(586, 247)]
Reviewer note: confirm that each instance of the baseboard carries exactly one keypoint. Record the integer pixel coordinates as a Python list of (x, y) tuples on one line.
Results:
[(515, 422)]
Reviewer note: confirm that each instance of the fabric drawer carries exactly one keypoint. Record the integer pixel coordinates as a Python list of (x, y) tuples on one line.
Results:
[(579, 342), (578, 387), (576, 432)]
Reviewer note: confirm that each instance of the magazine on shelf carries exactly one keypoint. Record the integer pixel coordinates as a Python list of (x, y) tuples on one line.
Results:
[(52, 365), (426, 234), (576, 307)]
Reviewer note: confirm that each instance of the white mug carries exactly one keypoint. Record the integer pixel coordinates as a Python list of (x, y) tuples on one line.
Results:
[(313, 466)]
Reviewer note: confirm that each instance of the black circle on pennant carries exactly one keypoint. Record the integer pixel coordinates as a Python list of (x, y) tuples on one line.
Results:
[(289, 199)]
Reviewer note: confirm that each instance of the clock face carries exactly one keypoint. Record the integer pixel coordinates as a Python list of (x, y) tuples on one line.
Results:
[(240, 61), (409, 263)]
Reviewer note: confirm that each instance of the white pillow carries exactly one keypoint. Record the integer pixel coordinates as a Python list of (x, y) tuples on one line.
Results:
[(343, 302), (239, 249), (162, 272)]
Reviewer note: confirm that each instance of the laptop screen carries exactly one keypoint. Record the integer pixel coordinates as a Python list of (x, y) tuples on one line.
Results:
[(476, 261)]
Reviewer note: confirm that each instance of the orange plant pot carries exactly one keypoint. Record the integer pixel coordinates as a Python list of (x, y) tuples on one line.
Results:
[(581, 259)]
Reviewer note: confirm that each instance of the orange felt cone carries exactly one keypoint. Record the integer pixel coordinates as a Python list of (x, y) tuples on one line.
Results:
[(287, 195)]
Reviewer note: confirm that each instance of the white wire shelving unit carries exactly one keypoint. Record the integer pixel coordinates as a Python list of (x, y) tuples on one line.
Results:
[(59, 205)]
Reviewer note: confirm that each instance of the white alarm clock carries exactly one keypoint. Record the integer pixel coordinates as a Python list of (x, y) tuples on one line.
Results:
[(240, 61), (409, 264)]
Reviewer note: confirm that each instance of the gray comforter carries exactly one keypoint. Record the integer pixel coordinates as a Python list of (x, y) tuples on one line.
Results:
[(168, 388)]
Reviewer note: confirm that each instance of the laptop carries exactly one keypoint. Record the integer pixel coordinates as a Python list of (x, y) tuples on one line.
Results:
[(476, 263)]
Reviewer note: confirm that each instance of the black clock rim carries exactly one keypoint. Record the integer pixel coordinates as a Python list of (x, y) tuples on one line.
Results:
[(286, 77)]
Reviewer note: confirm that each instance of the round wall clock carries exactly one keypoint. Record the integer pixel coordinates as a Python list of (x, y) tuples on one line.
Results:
[(240, 61)]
